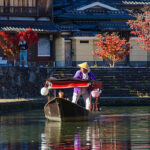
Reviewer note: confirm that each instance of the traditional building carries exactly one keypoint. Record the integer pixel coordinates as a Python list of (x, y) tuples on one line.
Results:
[(91, 17), (67, 28), (18, 15)]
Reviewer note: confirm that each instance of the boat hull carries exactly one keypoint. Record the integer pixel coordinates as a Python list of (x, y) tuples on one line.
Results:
[(59, 109)]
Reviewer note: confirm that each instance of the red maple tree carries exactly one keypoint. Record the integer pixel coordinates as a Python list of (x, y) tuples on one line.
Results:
[(141, 28), (111, 48), (29, 35), (9, 42)]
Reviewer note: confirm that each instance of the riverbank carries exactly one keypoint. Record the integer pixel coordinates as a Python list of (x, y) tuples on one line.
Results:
[(117, 82), (122, 86), (125, 101), (14, 105)]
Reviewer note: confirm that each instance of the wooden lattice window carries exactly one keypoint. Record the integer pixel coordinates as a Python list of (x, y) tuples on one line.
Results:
[(1, 2), (20, 3)]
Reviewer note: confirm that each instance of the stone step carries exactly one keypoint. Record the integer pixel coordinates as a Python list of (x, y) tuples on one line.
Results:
[(110, 76), (105, 84), (117, 81)]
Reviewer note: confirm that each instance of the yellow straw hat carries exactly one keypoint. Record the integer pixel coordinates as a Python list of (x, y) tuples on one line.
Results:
[(84, 65)]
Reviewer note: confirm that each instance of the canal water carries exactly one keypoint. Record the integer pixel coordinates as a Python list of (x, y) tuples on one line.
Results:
[(117, 128)]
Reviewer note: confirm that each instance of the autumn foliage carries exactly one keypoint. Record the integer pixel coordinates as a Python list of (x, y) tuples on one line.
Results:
[(141, 28), (111, 48), (29, 35), (9, 42)]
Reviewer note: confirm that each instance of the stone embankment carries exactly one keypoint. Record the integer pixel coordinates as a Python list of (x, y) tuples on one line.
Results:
[(117, 82), (10, 105), (121, 86)]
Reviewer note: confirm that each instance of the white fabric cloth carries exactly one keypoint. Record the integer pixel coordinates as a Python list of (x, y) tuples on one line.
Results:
[(85, 76), (85, 96)]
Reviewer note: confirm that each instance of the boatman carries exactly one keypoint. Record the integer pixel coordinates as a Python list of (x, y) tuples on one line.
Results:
[(83, 73)]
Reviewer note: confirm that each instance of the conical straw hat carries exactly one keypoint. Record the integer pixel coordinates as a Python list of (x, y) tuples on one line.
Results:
[(84, 65)]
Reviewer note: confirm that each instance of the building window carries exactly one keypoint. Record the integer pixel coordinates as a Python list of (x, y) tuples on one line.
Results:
[(85, 41), (7, 3), (44, 47), (1, 2), (32, 3)]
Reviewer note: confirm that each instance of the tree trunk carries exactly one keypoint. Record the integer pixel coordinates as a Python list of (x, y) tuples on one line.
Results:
[(112, 64)]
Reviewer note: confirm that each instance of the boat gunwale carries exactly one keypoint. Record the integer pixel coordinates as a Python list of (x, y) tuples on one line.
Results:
[(89, 115)]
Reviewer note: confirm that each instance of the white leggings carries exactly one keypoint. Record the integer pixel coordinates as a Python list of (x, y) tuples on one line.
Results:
[(85, 96)]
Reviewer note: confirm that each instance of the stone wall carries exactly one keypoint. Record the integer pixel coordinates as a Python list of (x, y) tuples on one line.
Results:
[(18, 82), (117, 82)]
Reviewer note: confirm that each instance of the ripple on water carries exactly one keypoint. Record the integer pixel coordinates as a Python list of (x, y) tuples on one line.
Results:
[(117, 128)]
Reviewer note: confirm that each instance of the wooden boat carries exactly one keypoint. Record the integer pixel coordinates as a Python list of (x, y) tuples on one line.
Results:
[(60, 109)]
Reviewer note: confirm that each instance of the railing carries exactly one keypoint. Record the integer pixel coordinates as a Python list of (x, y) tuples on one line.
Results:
[(21, 11)]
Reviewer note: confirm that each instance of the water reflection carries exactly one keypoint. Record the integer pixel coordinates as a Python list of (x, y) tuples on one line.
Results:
[(90, 135), (21, 131), (109, 132), (118, 128)]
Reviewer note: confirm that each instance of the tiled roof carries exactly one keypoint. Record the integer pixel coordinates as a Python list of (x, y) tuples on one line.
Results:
[(133, 2), (117, 14), (73, 4), (103, 25), (113, 25), (90, 26), (81, 3), (58, 2), (102, 3), (68, 27), (78, 4), (85, 33), (42, 26)]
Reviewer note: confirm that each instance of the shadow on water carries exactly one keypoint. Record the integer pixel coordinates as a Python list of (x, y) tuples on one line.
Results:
[(117, 128)]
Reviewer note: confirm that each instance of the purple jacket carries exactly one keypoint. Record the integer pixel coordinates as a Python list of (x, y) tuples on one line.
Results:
[(78, 75)]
